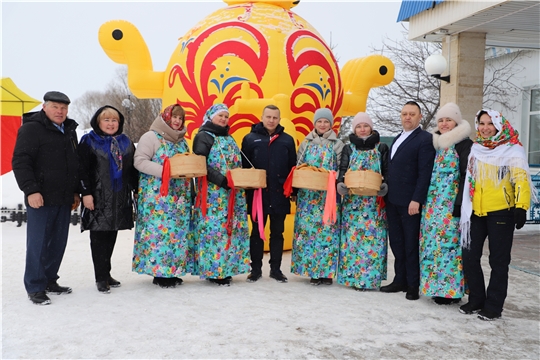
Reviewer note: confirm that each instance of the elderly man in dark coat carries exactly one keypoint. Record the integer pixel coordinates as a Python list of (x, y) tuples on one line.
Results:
[(268, 147), (45, 164)]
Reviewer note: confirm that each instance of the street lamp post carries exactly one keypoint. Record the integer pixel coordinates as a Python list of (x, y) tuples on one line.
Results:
[(128, 105)]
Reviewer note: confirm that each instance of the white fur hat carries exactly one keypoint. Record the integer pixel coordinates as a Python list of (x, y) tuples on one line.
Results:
[(450, 110)]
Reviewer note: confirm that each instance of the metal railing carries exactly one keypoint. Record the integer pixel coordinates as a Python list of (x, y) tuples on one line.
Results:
[(533, 215), (18, 215)]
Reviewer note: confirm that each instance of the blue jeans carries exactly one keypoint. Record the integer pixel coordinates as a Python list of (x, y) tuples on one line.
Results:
[(46, 238)]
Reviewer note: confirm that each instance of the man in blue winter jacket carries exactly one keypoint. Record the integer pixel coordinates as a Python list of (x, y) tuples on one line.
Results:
[(268, 147)]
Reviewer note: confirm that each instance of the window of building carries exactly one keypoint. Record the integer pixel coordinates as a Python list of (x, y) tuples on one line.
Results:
[(534, 128)]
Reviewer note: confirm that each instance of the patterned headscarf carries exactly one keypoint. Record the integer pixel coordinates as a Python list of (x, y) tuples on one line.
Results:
[(167, 115), (505, 131), (213, 111)]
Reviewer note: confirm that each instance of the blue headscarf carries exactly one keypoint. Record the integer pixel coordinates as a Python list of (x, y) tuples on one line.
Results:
[(113, 145), (213, 111)]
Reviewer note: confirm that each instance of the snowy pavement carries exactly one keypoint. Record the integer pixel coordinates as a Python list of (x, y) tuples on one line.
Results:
[(265, 319)]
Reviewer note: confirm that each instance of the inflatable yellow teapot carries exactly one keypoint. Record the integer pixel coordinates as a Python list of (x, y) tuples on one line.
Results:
[(249, 55)]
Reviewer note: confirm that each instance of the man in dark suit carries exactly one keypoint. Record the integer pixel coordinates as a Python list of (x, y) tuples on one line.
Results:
[(409, 173)]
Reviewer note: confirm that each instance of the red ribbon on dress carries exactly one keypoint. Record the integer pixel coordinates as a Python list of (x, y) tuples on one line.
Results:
[(257, 212), (165, 177), (329, 216), (202, 192), (381, 203), (287, 187), (230, 210)]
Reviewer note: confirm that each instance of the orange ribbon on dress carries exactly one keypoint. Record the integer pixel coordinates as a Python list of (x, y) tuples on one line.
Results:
[(230, 210), (287, 186), (202, 192), (165, 177), (257, 212), (329, 215)]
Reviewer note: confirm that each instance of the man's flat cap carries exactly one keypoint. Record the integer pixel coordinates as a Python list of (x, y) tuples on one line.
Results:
[(56, 96)]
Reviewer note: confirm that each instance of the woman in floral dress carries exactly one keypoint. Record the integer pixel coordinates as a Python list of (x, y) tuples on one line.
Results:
[(162, 241), (316, 244), (441, 269), (363, 247), (221, 228)]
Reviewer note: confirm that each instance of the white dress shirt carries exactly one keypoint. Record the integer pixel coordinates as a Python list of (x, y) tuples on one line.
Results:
[(404, 135)]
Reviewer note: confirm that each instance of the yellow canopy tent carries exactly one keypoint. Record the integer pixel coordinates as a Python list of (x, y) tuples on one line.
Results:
[(13, 103)]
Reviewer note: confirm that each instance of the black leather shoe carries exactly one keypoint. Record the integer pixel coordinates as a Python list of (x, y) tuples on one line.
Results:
[(113, 282), (278, 276), (326, 281), (54, 288), (469, 309), (412, 293), (253, 277), (393, 288), (39, 298), (445, 301), (103, 287), (164, 283)]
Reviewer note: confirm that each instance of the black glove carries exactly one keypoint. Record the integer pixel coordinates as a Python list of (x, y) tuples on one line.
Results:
[(384, 190), (520, 216), (457, 211)]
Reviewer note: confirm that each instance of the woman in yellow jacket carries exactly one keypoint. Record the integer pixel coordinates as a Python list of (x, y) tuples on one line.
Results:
[(496, 197)]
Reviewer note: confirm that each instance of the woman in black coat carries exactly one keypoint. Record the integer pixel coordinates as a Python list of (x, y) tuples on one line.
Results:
[(108, 179)]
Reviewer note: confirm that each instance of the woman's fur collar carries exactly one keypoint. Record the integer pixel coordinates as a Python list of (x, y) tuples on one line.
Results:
[(444, 141)]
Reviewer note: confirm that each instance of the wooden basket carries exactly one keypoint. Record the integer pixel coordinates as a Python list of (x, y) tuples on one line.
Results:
[(187, 166), (363, 182), (249, 178), (306, 178)]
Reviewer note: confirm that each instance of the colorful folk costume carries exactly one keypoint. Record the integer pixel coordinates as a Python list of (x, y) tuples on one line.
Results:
[(498, 192), (363, 246), (316, 243), (220, 218), (162, 247), (441, 269)]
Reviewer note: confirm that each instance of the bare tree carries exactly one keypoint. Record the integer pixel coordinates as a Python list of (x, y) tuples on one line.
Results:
[(138, 113), (411, 82), (83, 108), (501, 75)]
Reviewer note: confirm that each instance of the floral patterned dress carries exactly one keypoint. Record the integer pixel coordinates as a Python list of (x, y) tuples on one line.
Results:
[(441, 270), (315, 245), (162, 242), (363, 248), (213, 259)]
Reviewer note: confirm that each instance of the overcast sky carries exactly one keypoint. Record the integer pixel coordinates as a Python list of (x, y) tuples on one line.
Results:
[(54, 45)]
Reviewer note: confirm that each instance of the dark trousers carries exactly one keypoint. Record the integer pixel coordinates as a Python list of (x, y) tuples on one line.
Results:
[(404, 235), (498, 226), (256, 244), (46, 238), (102, 246)]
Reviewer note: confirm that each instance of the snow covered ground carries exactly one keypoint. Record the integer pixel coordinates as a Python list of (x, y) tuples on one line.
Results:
[(265, 319)]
